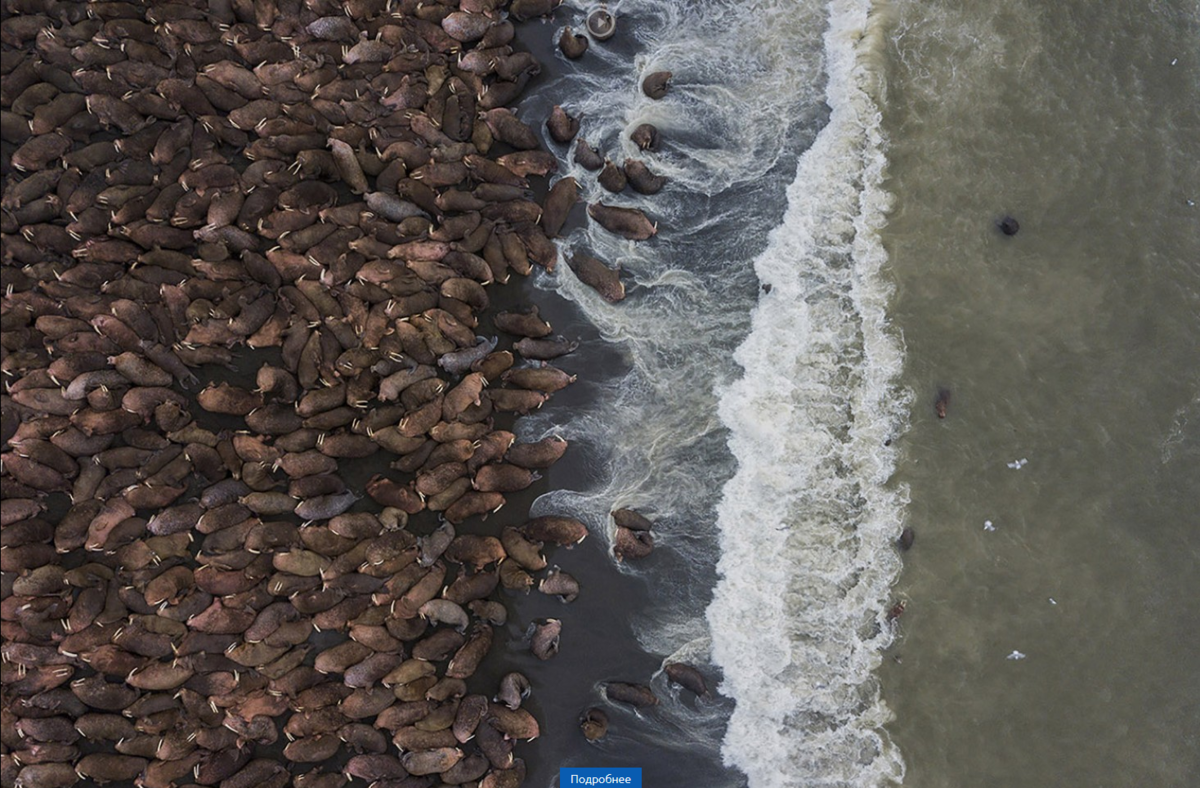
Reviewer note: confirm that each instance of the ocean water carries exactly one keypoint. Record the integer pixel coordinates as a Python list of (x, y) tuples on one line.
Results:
[(827, 261), (1072, 351)]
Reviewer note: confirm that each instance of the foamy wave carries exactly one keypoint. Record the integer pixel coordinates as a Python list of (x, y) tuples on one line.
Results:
[(808, 522)]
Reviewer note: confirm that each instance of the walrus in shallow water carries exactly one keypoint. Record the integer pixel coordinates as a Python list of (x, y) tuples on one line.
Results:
[(562, 127), (687, 677), (645, 136), (545, 638), (559, 202), (943, 402), (636, 695), (598, 276), (572, 45), (612, 177), (655, 85), (632, 544), (586, 156), (594, 724), (631, 519), (1008, 225), (641, 179), (628, 223)]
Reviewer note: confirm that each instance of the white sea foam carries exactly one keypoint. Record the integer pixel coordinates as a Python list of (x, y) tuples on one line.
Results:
[(803, 531), (807, 523)]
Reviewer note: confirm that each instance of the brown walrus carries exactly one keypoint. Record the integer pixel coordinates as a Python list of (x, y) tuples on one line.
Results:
[(612, 177), (645, 136), (943, 401), (572, 45), (562, 126), (632, 544), (642, 179), (637, 695), (655, 85), (594, 724), (629, 223), (586, 156), (598, 276), (687, 677)]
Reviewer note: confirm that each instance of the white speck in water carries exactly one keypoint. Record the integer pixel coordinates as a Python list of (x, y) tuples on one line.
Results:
[(1174, 60), (1015, 655), (1017, 465), (987, 525), (1052, 601), (1191, 203)]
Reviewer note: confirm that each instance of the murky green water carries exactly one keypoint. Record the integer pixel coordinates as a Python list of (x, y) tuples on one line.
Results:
[(1074, 346)]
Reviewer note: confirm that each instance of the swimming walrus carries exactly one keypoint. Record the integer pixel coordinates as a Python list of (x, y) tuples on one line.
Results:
[(687, 677), (943, 402), (645, 136), (655, 85), (572, 45), (629, 223), (642, 179), (594, 724), (637, 695)]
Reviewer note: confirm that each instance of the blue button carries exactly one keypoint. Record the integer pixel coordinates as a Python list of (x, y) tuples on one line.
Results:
[(599, 778)]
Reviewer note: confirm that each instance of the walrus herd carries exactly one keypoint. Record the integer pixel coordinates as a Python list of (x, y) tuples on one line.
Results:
[(193, 594)]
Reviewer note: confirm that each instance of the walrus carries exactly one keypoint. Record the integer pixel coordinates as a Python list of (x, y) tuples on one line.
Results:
[(562, 531), (545, 349), (1008, 225), (632, 544), (598, 276), (514, 578), (524, 552), (559, 583), (545, 637), (559, 201), (636, 695), (586, 156), (629, 223), (594, 724), (507, 128), (907, 537), (543, 377), (655, 85), (633, 520), (514, 688), (943, 401), (539, 455), (474, 550), (572, 45), (645, 136), (642, 179), (687, 677), (433, 761), (612, 177), (523, 324), (562, 126), (467, 658)]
